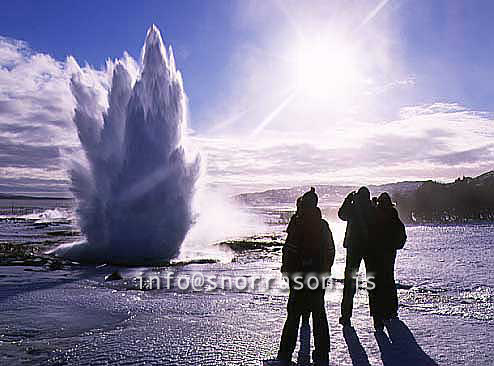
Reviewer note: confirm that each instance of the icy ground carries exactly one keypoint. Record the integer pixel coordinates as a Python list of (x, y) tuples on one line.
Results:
[(74, 317), (54, 313)]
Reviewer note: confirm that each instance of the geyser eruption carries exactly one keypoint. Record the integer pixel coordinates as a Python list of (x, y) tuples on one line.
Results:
[(135, 196)]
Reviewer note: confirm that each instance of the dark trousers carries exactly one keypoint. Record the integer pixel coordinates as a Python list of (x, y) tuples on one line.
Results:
[(353, 259), (301, 302), (383, 300)]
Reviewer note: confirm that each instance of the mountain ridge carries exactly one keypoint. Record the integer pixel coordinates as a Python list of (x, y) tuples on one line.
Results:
[(466, 199), (328, 193)]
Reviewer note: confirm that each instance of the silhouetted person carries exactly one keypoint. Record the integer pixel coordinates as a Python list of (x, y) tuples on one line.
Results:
[(388, 235), (358, 212), (309, 249), (290, 255), (289, 262)]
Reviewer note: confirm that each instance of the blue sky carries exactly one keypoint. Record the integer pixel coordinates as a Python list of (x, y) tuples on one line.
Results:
[(92, 31), (417, 83)]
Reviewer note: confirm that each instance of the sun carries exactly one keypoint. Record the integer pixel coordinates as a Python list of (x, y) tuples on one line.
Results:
[(324, 68)]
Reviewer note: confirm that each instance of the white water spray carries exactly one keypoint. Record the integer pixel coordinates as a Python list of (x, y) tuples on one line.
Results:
[(135, 196)]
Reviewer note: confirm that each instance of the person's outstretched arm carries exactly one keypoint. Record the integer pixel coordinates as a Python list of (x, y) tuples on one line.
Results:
[(345, 211)]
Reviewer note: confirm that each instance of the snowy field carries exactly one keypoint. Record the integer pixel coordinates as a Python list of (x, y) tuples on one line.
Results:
[(68, 314)]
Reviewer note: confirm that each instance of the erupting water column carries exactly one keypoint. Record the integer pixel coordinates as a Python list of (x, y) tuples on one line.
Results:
[(134, 198)]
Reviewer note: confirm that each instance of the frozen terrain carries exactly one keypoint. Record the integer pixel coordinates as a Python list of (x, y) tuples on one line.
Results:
[(68, 314)]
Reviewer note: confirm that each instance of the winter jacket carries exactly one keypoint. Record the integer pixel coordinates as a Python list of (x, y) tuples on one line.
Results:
[(358, 220), (309, 246)]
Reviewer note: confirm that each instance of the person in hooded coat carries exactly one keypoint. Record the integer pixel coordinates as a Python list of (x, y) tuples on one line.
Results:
[(388, 235), (311, 251)]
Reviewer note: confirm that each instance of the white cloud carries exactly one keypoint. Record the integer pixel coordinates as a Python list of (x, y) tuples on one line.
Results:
[(304, 145), (426, 109), (36, 109), (443, 141)]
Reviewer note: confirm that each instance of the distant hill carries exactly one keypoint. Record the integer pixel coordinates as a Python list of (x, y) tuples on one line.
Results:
[(6, 196), (329, 195), (288, 196), (465, 200)]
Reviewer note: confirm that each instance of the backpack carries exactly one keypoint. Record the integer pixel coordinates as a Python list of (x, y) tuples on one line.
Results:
[(399, 234), (290, 259), (298, 256)]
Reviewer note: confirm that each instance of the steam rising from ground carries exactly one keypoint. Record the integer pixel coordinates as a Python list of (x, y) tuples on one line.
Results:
[(135, 195), (219, 220)]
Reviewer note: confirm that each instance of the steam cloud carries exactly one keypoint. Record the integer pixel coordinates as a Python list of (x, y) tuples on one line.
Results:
[(135, 195)]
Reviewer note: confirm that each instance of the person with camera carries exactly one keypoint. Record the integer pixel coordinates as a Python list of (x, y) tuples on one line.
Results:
[(358, 211)]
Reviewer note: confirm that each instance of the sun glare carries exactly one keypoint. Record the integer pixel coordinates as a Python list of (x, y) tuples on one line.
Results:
[(324, 69)]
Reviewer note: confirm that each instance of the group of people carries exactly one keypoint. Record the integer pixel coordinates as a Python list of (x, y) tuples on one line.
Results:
[(373, 234)]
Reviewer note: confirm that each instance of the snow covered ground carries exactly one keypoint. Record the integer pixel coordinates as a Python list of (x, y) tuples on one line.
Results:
[(71, 315)]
